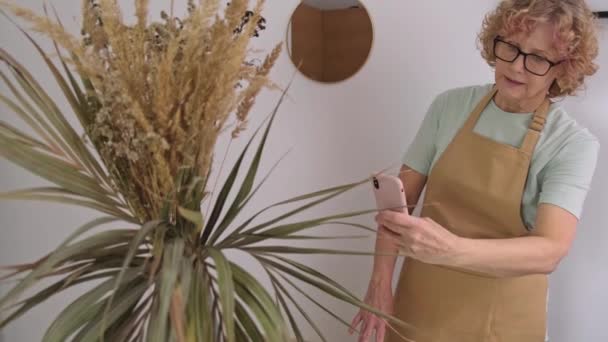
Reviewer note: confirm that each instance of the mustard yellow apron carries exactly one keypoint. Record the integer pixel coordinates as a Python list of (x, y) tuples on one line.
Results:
[(478, 184)]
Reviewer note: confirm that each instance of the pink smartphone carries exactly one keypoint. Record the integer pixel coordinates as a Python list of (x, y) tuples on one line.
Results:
[(389, 193)]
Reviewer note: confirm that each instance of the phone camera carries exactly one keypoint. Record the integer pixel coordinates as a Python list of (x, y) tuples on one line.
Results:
[(376, 184)]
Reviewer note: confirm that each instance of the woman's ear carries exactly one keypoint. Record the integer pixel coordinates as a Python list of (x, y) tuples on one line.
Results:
[(558, 72), (561, 70), (554, 88)]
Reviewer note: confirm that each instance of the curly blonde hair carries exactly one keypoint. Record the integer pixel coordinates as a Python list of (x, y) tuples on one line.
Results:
[(575, 36)]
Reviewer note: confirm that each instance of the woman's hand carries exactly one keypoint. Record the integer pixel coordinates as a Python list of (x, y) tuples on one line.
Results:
[(421, 238), (380, 296)]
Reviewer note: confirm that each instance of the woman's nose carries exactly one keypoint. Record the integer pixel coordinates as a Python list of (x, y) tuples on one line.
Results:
[(518, 63)]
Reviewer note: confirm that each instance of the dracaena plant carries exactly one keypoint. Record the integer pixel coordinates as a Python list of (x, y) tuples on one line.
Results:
[(151, 100)]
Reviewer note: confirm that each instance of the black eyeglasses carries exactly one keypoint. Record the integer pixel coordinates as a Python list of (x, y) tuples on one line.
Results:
[(535, 64)]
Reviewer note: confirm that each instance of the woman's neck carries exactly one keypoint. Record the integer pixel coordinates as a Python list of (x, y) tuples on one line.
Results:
[(519, 106)]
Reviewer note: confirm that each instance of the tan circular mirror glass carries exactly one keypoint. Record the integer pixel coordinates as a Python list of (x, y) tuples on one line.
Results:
[(332, 39)]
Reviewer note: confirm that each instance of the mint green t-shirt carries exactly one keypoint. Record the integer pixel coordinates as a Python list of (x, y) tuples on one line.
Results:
[(563, 162)]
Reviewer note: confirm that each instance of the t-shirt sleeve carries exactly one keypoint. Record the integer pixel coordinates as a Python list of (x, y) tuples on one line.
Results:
[(568, 175), (421, 152)]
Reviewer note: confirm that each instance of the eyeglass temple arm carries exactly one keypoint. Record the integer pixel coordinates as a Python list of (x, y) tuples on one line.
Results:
[(601, 14)]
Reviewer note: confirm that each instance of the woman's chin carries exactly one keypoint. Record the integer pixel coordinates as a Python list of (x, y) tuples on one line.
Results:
[(511, 93)]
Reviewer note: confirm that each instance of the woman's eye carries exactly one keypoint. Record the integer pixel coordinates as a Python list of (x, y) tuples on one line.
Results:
[(537, 59)]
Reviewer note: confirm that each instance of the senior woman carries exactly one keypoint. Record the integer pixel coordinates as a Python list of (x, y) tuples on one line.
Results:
[(507, 171)]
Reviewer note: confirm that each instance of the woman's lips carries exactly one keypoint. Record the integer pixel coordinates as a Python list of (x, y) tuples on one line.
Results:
[(513, 82)]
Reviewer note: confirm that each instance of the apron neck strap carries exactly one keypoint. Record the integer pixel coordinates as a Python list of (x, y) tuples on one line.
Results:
[(469, 125), (536, 125)]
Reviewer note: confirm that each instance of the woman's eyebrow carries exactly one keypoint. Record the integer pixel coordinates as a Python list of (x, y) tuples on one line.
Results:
[(540, 52), (534, 51)]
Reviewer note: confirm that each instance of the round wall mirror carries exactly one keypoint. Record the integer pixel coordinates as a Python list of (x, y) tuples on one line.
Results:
[(330, 40)]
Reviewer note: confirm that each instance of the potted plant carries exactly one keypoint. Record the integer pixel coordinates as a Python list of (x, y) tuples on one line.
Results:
[(152, 99)]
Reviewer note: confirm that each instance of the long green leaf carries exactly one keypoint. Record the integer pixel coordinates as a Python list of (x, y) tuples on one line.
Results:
[(154, 312), (312, 272), (215, 312), (333, 193), (301, 237), (82, 111), (247, 184), (79, 94), (199, 325), (193, 216), (257, 298), (262, 182), (29, 115), (226, 188), (80, 149), (70, 96), (326, 288), (226, 287), (13, 133), (304, 250), (309, 205), (322, 192), (43, 295), (125, 301), (48, 106), (55, 170), (127, 324), (223, 196), (137, 240), (220, 201), (56, 129), (28, 194), (113, 253), (249, 325), (310, 298), (240, 333), (61, 253), (74, 252), (337, 317), (298, 307), (278, 288), (233, 234), (259, 313), (352, 224), (291, 228), (78, 232), (174, 252), (85, 113), (85, 308), (185, 277)]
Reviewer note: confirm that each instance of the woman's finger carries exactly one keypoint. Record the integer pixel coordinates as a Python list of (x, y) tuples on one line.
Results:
[(367, 332), (355, 322), (385, 233), (392, 228), (395, 228), (380, 331)]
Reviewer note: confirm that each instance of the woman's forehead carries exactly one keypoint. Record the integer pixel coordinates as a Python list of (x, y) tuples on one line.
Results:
[(540, 39)]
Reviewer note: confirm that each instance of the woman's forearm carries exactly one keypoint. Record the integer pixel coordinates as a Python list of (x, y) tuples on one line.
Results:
[(509, 257), (384, 262)]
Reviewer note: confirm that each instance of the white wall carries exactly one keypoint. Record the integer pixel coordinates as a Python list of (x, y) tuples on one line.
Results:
[(598, 5), (341, 133)]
